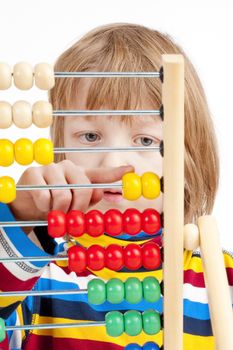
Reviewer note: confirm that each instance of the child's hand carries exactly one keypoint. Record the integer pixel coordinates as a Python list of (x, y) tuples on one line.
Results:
[(35, 204)]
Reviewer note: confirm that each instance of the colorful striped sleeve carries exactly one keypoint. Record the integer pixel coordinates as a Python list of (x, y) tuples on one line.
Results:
[(19, 275), (197, 324)]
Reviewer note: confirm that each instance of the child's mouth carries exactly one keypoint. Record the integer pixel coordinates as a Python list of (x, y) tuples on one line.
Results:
[(113, 196)]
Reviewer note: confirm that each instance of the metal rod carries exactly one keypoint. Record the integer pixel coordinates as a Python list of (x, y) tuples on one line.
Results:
[(34, 258), (105, 112), (54, 325), (106, 74), (22, 223), (26, 293), (106, 149), (68, 186)]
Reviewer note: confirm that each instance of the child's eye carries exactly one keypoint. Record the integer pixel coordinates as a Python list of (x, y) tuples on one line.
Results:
[(145, 141), (90, 137)]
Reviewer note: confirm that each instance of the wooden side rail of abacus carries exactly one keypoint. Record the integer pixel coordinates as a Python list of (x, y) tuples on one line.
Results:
[(218, 292), (173, 199)]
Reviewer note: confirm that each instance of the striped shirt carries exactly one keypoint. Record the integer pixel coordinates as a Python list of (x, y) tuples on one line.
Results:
[(39, 275)]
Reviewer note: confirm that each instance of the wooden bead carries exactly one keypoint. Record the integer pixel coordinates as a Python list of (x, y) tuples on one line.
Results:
[(131, 186), (44, 76), (150, 185), (22, 114), (43, 151), (42, 114), (6, 115), (23, 75), (6, 152), (191, 237), (24, 152), (5, 76), (7, 189)]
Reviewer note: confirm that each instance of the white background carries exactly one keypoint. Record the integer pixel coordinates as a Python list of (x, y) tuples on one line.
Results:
[(37, 31)]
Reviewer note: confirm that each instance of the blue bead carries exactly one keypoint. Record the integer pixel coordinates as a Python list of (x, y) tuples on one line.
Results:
[(150, 345), (133, 346)]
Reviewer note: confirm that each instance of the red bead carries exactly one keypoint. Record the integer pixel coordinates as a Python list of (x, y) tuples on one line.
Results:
[(132, 221), (77, 259), (95, 257), (133, 256), (113, 222), (94, 220), (56, 223), (151, 256), (114, 258), (151, 221), (75, 223)]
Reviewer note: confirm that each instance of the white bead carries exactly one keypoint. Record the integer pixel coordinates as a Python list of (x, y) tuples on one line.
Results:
[(191, 237), (42, 114), (22, 114), (44, 76), (23, 75), (5, 115), (5, 76)]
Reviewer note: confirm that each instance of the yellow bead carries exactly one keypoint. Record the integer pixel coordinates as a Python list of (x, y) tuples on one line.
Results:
[(132, 187), (7, 189), (24, 151), (150, 185), (43, 151), (6, 152)]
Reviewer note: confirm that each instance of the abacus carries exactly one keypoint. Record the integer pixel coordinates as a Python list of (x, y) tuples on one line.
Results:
[(176, 236)]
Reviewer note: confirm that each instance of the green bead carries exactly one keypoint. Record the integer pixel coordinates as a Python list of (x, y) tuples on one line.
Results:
[(115, 291), (2, 330), (133, 290), (133, 322), (151, 289), (114, 323), (96, 291), (151, 322)]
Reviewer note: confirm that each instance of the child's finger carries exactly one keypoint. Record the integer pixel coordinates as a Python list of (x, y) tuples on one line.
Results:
[(74, 174), (41, 198), (60, 198), (98, 175), (97, 195)]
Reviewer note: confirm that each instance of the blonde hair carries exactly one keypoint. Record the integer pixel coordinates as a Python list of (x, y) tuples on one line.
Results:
[(132, 47)]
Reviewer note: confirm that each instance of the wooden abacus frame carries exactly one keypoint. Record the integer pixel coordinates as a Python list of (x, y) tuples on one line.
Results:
[(211, 252), (173, 88)]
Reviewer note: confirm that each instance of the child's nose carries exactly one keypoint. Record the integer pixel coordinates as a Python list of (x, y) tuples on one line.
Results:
[(115, 159)]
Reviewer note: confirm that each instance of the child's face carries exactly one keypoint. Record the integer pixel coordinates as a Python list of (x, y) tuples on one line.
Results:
[(103, 131)]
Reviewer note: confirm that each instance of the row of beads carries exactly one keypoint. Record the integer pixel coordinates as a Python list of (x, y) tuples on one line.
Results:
[(24, 76), (22, 114), (24, 152), (114, 257), (132, 322), (94, 223), (133, 186), (147, 346), (116, 291)]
